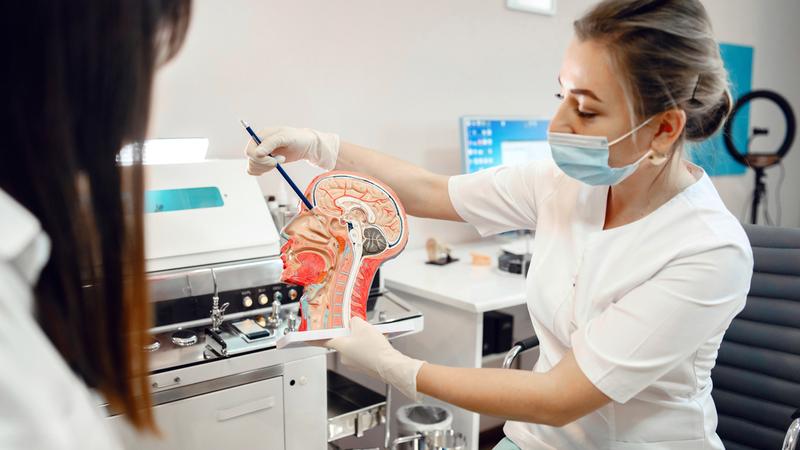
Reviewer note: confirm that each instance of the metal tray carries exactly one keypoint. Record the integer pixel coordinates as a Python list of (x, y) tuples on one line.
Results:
[(352, 408)]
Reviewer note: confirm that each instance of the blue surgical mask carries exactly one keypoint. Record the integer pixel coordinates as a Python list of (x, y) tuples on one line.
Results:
[(585, 158)]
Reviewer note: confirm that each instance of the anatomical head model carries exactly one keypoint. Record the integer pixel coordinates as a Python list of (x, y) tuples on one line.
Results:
[(335, 249)]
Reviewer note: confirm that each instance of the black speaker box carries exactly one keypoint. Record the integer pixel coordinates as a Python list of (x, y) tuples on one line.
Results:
[(498, 332)]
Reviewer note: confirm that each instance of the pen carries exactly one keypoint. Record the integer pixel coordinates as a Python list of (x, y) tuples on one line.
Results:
[(280, 169)]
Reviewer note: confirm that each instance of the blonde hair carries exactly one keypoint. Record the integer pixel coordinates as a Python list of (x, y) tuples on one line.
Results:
[(667, 51)]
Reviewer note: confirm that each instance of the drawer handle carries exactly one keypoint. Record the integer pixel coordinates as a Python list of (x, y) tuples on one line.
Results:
[(175, 381), (247, 408)]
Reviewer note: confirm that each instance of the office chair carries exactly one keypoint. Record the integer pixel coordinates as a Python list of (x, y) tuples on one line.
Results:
[(757, 374)]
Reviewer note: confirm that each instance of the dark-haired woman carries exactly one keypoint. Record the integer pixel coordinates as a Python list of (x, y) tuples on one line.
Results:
[(75, 88), (638, 268)]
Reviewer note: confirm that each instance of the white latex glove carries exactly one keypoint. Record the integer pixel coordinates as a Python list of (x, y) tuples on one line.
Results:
[(367, 350), (285, 144)]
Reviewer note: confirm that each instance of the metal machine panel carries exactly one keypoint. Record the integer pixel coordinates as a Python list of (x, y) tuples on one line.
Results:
[(212, 249)]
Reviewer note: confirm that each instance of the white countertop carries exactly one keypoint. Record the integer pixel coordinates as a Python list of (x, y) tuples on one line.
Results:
[(459, 284)]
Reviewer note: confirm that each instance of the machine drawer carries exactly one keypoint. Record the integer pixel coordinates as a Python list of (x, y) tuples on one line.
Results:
[(352, 408), (246, 416)]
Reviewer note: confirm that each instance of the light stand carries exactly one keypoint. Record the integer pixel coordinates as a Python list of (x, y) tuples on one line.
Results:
[(759, 162)]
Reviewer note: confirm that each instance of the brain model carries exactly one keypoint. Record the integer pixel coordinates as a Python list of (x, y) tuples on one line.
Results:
[(335, 249)]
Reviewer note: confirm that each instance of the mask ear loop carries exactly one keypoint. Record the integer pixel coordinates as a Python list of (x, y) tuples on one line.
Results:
[(650, 154), (629, 133)]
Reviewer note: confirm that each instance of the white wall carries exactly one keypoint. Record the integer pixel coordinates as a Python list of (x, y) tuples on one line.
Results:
[(396, 75)]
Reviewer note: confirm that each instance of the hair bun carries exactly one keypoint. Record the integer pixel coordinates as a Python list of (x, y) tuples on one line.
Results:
[(702, 123)]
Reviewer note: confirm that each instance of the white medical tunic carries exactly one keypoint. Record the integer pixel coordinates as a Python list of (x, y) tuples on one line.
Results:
[(643, 306), (43, 405)]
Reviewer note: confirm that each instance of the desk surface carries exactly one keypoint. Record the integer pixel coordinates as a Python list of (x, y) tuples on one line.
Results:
[(460, 284)]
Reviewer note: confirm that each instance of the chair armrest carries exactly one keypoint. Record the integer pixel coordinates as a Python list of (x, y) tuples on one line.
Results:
[(519, 347), (793, 433)]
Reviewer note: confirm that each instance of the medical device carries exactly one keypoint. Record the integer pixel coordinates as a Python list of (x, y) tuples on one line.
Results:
[(488, 141), (213, 270)]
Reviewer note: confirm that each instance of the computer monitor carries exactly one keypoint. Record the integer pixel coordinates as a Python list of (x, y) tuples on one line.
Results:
[(493, 141)]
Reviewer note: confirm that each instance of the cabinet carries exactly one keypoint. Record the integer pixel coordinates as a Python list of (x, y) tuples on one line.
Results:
[(246, 416)]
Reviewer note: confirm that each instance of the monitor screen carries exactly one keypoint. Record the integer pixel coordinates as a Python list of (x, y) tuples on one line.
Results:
[(493, 141)]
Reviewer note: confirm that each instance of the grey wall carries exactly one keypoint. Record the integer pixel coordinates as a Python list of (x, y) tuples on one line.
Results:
[(396, 75)]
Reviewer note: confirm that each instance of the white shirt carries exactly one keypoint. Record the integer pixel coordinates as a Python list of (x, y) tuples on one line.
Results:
[(643, 306), (43, 404)]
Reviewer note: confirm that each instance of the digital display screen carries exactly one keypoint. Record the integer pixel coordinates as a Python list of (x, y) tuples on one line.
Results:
[(164, 200), (489, 142)]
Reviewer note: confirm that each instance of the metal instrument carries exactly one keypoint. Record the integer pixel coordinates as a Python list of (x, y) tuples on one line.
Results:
[(274, 319), (434, 440), (217, 312)]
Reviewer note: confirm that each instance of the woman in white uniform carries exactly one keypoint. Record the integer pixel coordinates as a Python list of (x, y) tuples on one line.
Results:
[(638, 268), (73, 301)]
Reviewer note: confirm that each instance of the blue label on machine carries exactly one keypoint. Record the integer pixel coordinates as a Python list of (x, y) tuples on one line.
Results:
[(163, 200)]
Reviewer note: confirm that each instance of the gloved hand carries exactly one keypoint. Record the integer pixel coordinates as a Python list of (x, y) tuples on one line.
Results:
[(287, 144), (367, 350)]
